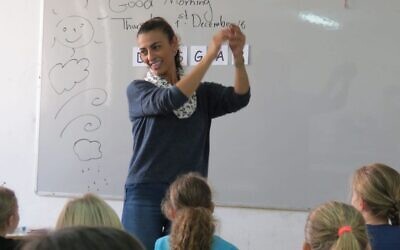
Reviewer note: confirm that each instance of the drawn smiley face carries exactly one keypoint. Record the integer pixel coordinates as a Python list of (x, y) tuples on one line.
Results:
[(74, 31)]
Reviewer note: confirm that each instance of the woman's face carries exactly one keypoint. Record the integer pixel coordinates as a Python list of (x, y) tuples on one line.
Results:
[(158, 53)]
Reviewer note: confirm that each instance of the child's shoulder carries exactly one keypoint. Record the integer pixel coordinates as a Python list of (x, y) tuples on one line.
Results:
[(221, 244), (162, 243)]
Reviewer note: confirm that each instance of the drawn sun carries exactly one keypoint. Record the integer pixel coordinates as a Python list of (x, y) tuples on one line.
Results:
[(74, 32)]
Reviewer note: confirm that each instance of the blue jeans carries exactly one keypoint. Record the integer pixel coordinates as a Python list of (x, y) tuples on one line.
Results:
[(141, 214)]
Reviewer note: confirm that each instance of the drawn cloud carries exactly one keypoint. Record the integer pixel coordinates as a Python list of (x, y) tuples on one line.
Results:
[(87, 150), (64, 77)]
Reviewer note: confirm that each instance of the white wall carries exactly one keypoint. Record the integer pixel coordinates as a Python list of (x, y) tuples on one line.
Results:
[(19, 78)]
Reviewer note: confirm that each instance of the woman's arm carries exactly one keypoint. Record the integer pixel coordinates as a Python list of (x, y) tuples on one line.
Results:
[(146, 99), (236, 43), (191, 81)]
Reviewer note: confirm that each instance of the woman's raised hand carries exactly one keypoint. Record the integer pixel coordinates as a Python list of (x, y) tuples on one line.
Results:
[(237, 40), (218, 39)]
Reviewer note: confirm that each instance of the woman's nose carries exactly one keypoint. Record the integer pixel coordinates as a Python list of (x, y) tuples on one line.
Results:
[(150, 55)]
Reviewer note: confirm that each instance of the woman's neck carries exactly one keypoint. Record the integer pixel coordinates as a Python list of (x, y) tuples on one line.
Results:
[(373, 220), (171, 76)]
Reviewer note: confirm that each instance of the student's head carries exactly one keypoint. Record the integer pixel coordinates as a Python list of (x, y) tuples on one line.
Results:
[(9, 216), (85, 238), (159, 47), (335, 226), (188, 204), (88, 210), (376, 192)]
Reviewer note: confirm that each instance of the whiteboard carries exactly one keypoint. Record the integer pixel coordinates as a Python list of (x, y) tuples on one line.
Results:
[(325, 95)]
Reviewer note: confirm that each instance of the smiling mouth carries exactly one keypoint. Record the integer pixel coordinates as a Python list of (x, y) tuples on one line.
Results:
[(155, 65), (72, 41)]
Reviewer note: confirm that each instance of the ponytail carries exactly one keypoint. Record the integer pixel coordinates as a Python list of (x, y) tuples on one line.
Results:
[(193, 228), (394, 215), (188, 204), (178, 65), (347, 241), (325, 228)]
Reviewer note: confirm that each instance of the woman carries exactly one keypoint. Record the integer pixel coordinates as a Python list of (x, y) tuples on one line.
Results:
[(335, 226), (376, 194), (9, 218), (171, 116), (88, 210)]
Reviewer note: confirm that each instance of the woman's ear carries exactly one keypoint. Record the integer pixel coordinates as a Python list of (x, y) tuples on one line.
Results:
[(357, 201), (306, 246), (363, 204), (12, 223), (169, 211), (171, 214)]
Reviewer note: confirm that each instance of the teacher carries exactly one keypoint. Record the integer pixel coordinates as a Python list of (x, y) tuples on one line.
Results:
[(171, 115)]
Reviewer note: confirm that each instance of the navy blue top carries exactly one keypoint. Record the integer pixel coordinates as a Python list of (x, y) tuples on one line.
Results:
[(165, 146), (9, 244), (384, 237)]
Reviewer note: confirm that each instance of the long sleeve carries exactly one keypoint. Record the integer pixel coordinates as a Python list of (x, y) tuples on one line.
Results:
[(146, 99), (223, 100)]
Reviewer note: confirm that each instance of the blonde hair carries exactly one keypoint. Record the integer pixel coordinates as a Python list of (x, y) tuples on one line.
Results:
[(324, 222), (378, 185), (8, 206), (189, 196), (85, 238), (88, 210)]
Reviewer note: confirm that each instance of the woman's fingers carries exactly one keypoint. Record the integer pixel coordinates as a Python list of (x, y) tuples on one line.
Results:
[(237, 40), (236, 34), (235, 30), (224, 35), (218, 39), (231, 34)]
